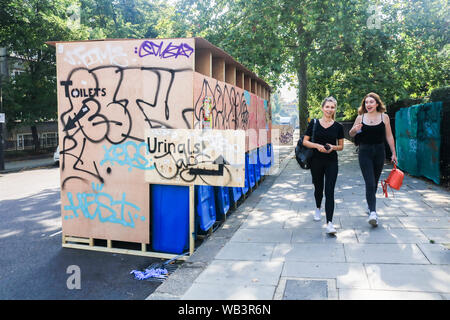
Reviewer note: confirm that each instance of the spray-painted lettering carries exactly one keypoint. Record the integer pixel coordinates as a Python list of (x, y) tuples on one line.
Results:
[(104, 207)]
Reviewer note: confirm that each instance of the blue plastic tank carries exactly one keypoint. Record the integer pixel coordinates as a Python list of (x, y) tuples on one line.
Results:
[(205, 207), (169, 218), (257, 165), (251, 170), (270, 154), (263, 159), (222, 201), (247, 182), (235, 194)]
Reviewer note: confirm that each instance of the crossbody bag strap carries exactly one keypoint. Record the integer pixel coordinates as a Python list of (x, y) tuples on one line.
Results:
[(314, 131)]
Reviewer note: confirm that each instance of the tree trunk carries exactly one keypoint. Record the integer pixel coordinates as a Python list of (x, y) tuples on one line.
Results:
[(35, 138), (305, 39), (302, 93)]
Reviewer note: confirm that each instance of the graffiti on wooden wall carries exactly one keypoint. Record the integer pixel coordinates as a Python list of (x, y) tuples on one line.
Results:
[(109, 93)]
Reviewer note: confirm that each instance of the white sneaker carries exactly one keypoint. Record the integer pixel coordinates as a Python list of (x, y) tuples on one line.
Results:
[(330, 228), (317, 215), (373, 219)]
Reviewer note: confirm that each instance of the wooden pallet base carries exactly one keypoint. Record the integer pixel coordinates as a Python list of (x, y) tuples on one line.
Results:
[(88, 244)]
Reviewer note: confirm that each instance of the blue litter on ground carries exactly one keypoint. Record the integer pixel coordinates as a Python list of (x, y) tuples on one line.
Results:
[(160, 273)]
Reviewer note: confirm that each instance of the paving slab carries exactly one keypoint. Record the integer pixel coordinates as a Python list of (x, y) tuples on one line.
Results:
[(384, 253), (305, 290), (306, 220), (362, 224), (309, 252), (206, 291), (425, 212), (269, 235), (225, 272), (246, 251), (391, 235), (437, 235), (435, 253), (312, 235), (361, 294), (426, 222), (264, 222), (397, 277), (347, 275)]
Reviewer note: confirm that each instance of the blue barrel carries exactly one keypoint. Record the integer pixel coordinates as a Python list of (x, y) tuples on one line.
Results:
[(257, 165), (270, 154), (222, 201), (235, 194), (264, 159), (247, 182), (205, 206), (251, 170), (169, 218)]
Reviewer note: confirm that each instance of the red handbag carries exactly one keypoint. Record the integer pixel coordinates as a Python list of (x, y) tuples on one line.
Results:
[(394, 180)]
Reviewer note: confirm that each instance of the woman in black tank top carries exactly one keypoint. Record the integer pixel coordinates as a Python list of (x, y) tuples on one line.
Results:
[(373, 128)]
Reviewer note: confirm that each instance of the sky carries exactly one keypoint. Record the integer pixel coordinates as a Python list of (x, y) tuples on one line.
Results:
[(288, 94)]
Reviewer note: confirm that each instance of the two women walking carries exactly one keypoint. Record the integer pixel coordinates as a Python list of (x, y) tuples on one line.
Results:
[(373, 127)]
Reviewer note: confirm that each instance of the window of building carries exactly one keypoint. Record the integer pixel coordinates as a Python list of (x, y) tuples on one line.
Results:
[(24, 141), (49, 139)]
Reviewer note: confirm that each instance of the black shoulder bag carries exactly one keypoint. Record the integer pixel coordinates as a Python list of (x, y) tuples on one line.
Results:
[(303, 154)]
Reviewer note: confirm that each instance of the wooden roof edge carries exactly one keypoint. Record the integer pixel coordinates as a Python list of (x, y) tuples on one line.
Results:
[(204, 44)]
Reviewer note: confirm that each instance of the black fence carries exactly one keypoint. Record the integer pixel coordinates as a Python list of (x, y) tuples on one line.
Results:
[(445, 145), (27, 143)]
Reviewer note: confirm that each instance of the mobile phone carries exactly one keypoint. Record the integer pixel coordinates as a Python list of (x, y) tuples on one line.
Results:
[(327, 147)]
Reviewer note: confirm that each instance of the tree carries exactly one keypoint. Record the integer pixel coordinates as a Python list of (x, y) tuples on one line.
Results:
[(135, 19), (31, 96), (333, 47)]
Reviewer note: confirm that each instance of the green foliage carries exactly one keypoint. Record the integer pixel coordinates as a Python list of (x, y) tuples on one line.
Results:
[(330, 46), (406, 56), (440, 94), (27, 25)]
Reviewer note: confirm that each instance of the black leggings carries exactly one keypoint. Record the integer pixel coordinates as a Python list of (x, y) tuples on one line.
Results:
[(371, 160), (327, 169)]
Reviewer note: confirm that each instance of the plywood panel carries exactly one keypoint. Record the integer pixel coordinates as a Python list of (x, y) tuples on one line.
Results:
[(218, 69), (203, 62), (252, 132), (254, 86), (247, 83), (109, 93), (240, 79), (262, 122), (216, 104), (230, 74), (200, 157)]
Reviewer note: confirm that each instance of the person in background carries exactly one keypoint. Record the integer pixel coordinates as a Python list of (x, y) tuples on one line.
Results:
[(373, 127), (328, 138)]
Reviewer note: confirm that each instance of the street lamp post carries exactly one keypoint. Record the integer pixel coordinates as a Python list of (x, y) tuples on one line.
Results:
[(3, 73)]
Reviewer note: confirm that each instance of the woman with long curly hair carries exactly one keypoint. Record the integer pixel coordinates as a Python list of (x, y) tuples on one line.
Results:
[(372, 127)]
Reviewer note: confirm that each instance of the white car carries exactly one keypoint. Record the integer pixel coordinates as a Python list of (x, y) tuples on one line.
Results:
[(56, 156)]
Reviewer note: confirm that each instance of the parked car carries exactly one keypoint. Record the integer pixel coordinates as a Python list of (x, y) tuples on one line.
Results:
[(56, 156)]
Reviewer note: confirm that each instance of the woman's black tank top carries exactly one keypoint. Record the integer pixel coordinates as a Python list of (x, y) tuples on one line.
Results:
[(372, 134)]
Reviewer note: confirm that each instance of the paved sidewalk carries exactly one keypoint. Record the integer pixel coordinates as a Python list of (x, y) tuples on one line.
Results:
[(270, 247)]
